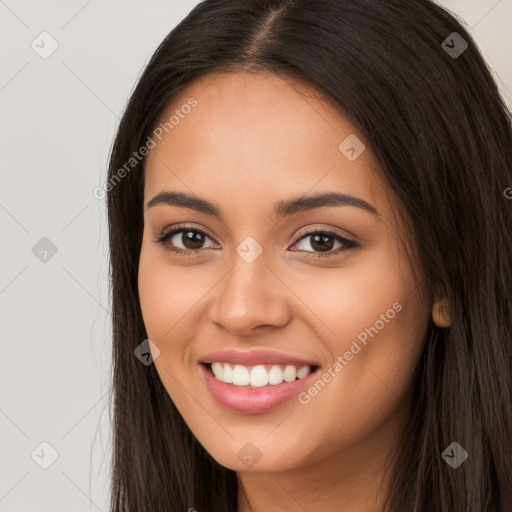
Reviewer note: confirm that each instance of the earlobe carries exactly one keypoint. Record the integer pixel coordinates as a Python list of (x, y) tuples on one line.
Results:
[(442, 312)]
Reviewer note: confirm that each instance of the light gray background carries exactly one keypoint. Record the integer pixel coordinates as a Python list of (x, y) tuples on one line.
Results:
[(58, 118)]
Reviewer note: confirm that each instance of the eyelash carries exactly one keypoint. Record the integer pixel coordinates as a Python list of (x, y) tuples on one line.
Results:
[(350, 244)]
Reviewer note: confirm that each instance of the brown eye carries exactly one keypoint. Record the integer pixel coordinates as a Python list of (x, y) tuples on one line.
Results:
[(184, 240), (322, 243), (192, 239)]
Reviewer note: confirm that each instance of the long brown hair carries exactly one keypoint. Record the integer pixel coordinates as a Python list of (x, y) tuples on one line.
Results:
[(434, 118)]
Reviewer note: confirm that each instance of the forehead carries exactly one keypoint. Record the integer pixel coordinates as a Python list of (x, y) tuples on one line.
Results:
[(259, 135)]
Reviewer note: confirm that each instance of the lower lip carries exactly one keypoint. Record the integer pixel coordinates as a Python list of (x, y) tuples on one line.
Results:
[(254, 400)]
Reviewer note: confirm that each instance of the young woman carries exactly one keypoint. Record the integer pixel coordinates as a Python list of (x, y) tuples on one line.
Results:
[(311, 265)]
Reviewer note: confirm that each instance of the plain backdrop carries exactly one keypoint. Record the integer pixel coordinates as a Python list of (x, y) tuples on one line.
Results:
[(58, 118)]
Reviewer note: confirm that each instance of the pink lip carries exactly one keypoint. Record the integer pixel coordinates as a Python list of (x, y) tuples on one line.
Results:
[(254, 400), (254, 357)]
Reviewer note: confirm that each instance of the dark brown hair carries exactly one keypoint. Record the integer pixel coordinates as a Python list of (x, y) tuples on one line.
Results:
[(442, 136)]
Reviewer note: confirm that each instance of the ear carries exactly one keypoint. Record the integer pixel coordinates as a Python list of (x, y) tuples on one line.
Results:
[(442, 312)]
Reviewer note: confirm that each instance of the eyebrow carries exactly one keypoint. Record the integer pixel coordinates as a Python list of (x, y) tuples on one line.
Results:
[(281, 208)]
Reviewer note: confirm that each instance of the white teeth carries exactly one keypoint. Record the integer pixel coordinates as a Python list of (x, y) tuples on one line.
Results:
[(217, 370), (228, 374), (305, 370), (290, 373), (240, 376), (258, 376), (275, 375)]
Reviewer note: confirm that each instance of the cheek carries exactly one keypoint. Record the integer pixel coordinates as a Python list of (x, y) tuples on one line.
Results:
[(165, 298), (166, 292), (363, 390), (376, 319), (373, 287)]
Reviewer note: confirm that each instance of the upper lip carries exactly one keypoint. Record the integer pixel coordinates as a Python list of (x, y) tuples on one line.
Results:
[(254, 357)]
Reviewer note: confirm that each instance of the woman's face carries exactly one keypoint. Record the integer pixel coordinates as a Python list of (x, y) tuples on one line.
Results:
[(346, 307)]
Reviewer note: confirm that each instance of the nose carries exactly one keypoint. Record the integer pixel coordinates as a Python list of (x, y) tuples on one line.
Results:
[(250, 297)]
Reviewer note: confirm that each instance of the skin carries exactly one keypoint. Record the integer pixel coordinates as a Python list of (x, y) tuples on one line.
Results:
[(253, 140)]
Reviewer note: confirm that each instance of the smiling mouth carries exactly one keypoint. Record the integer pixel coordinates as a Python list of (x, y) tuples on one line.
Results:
[(258, 376)]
